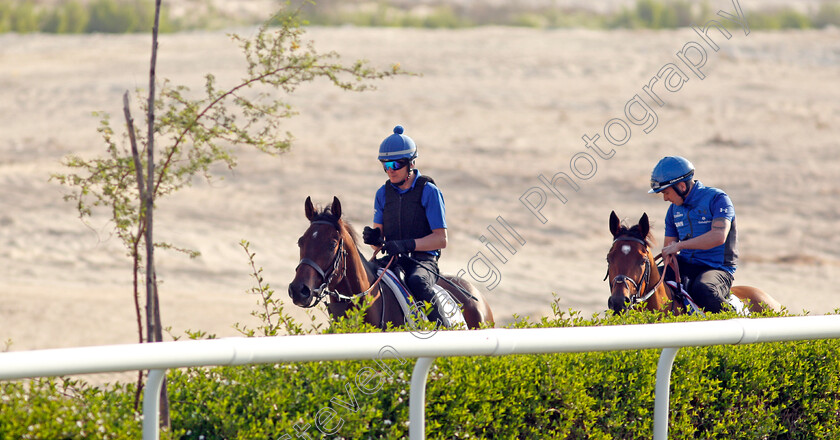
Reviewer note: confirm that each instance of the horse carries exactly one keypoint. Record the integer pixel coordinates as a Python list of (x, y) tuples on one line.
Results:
[(332, 266), (635, 278)]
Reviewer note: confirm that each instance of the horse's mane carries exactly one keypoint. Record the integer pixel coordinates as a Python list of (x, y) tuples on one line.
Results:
[(634, 232)]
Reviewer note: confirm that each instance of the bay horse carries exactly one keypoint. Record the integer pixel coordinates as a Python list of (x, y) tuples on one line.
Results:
[(635, 278), (331, 266)]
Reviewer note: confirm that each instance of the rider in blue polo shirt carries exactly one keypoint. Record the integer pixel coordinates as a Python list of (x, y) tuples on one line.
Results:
[(409, 218), (699, 229)]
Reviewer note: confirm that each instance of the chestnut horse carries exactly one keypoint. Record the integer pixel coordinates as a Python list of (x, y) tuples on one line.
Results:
[(332, 266), (635, 278)]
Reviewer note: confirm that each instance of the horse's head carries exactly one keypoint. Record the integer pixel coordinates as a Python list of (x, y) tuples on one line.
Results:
[(323, 256), (628, 263)]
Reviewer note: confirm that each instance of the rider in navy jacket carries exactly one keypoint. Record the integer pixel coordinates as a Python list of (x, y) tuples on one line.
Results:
[(409, 219), (700, 229)]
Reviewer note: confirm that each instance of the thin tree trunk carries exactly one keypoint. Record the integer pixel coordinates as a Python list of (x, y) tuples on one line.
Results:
[(135, 251), (152, 303)]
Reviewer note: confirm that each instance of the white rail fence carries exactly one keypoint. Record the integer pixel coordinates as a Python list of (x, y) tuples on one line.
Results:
[(492, 342)]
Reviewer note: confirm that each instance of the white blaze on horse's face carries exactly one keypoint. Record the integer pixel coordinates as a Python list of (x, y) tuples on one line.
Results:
[(626, 249), (314, 234)]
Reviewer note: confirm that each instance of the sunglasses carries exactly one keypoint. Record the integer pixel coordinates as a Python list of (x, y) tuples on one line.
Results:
[(393, 165)]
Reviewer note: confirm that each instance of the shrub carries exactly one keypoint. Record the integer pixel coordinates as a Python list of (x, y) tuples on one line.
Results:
[(785, 390), (24, 18), (69, 18), (110, 16), (827, 15), (5, 17)]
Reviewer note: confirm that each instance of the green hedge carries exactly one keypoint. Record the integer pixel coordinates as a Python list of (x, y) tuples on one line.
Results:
[(772, 391), (644, 14), (120, 16), (74, 16)]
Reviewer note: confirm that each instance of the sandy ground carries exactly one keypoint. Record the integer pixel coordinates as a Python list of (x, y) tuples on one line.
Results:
[(494, 110)]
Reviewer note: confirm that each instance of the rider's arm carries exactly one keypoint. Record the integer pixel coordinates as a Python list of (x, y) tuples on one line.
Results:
[(669, 246), (715, 237), (432, 201), (724, 213), (434, 241)]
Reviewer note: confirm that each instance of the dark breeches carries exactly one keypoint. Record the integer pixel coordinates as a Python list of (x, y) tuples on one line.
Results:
[(707, 286), (420, 278)]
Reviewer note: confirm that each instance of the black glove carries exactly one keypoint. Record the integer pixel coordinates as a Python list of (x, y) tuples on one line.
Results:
[(396, 247), (372, 236)]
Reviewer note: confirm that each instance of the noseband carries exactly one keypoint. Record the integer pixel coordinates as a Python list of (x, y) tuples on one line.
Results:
[(328, 277), (636, 297)]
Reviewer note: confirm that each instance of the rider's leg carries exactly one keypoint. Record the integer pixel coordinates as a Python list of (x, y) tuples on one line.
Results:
[(710, 288), (420, 279)]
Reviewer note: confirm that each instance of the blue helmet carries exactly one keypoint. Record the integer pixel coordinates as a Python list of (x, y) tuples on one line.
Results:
[(669, 171), (397, 146)]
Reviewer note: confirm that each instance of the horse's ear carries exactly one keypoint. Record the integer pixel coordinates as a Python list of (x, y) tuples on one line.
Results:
[(336, 207), (310, 210), (644, 225), (615, 223)]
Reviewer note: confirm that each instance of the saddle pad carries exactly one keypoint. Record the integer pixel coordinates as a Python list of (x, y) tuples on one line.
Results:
[(450, 313), (449, 309), (737, 304), (404, 298)]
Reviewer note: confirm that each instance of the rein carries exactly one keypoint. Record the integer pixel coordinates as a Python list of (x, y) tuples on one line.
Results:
[(369, 289), (328, 277)]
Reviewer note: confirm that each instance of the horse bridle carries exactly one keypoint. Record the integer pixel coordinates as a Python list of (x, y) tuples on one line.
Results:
[(340, 256), (637, 297)]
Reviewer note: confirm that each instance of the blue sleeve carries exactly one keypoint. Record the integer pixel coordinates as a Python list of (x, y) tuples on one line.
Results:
[(432, 200), (722, 207), (379, 205), (670, 227)]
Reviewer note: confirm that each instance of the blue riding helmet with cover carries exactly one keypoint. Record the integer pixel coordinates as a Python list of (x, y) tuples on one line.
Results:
[(397, 147), (670, 171)]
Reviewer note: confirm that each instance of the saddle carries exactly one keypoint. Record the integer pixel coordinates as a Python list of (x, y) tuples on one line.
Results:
[(448, 308)]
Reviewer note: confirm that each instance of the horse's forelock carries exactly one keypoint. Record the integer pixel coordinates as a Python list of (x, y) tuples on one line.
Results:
[(634, 232), (327, 216)]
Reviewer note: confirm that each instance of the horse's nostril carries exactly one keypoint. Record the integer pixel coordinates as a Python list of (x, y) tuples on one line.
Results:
[(299, 290)]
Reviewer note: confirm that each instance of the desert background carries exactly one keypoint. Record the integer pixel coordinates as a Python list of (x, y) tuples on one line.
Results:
[(492, 109)]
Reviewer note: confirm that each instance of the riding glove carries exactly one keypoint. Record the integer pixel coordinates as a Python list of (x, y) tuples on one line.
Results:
[(396, 247), (372, 236)]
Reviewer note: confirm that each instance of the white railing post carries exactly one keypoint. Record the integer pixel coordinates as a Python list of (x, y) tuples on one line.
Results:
[(151, 405), (417, 399), (662, 396)]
